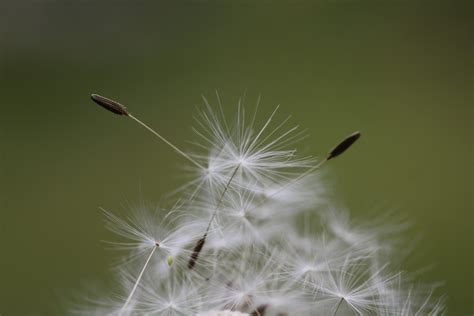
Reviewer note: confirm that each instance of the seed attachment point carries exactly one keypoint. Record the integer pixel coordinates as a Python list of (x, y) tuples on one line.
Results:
[(111, 105)]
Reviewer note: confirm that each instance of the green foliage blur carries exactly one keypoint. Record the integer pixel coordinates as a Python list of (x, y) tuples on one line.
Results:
[(399, 71)]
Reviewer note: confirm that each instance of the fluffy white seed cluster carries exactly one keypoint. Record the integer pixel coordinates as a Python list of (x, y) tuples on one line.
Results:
[(254, 232)]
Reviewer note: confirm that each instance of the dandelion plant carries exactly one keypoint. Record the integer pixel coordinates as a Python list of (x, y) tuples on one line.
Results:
[(254, 233)]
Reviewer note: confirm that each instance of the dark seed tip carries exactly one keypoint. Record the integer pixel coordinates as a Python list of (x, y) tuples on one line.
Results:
[(109, 104), (344, 145)]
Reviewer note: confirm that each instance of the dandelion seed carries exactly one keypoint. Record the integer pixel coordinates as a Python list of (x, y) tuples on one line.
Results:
[(249, 154)]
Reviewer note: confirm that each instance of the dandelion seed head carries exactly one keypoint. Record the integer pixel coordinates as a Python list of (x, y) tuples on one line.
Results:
[(254, 232)]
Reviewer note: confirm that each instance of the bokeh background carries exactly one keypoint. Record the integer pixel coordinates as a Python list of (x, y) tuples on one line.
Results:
[(400, 71)]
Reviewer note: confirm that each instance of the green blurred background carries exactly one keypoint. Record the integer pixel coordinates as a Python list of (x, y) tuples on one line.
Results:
[(400, 71)]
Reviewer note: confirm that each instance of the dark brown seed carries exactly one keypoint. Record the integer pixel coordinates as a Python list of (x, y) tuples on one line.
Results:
[(196, 251), (344, 145), (110, 105)]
